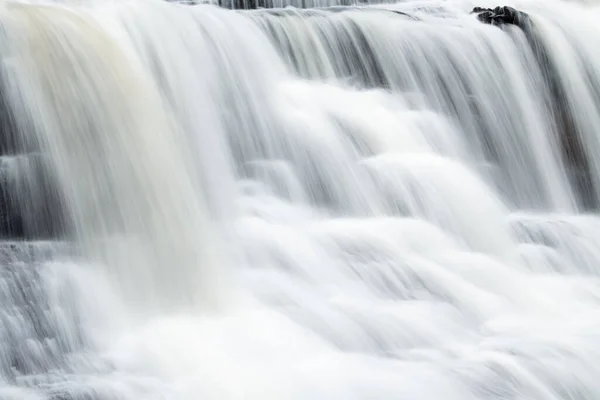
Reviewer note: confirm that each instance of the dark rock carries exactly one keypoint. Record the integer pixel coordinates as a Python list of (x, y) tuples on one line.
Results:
[(501, 16)]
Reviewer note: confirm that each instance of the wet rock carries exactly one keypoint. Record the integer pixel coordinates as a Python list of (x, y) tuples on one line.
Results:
[(501, 16)]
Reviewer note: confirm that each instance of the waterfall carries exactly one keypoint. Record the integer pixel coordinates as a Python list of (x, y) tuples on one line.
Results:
[(299, 200)]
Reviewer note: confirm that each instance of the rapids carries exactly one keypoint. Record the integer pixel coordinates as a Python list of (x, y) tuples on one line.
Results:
[(362, 201)]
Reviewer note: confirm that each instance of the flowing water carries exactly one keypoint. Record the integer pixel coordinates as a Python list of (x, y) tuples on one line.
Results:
[(391, 201)]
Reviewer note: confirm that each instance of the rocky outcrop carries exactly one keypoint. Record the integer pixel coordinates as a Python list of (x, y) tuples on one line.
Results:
[(502, 16)]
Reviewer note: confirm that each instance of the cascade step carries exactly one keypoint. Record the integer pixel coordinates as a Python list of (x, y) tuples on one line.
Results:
[(35, 300), (30, 203), (30, 252)]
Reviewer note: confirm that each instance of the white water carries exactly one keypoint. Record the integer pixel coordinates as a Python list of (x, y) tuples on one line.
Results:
[(296, 204)]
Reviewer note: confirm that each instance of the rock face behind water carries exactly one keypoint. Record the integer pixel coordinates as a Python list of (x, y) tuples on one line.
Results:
[(573, 153)]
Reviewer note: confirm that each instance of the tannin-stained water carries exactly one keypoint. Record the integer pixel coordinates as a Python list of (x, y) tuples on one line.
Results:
[(384, 202)]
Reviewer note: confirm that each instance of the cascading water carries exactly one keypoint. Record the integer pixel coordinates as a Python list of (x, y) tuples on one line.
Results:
[(385, 202)]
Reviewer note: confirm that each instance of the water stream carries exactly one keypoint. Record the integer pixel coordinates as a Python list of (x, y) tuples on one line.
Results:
[(374, 201)]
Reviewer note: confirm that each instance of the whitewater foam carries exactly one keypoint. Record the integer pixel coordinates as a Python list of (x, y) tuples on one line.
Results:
[(349, 203)]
